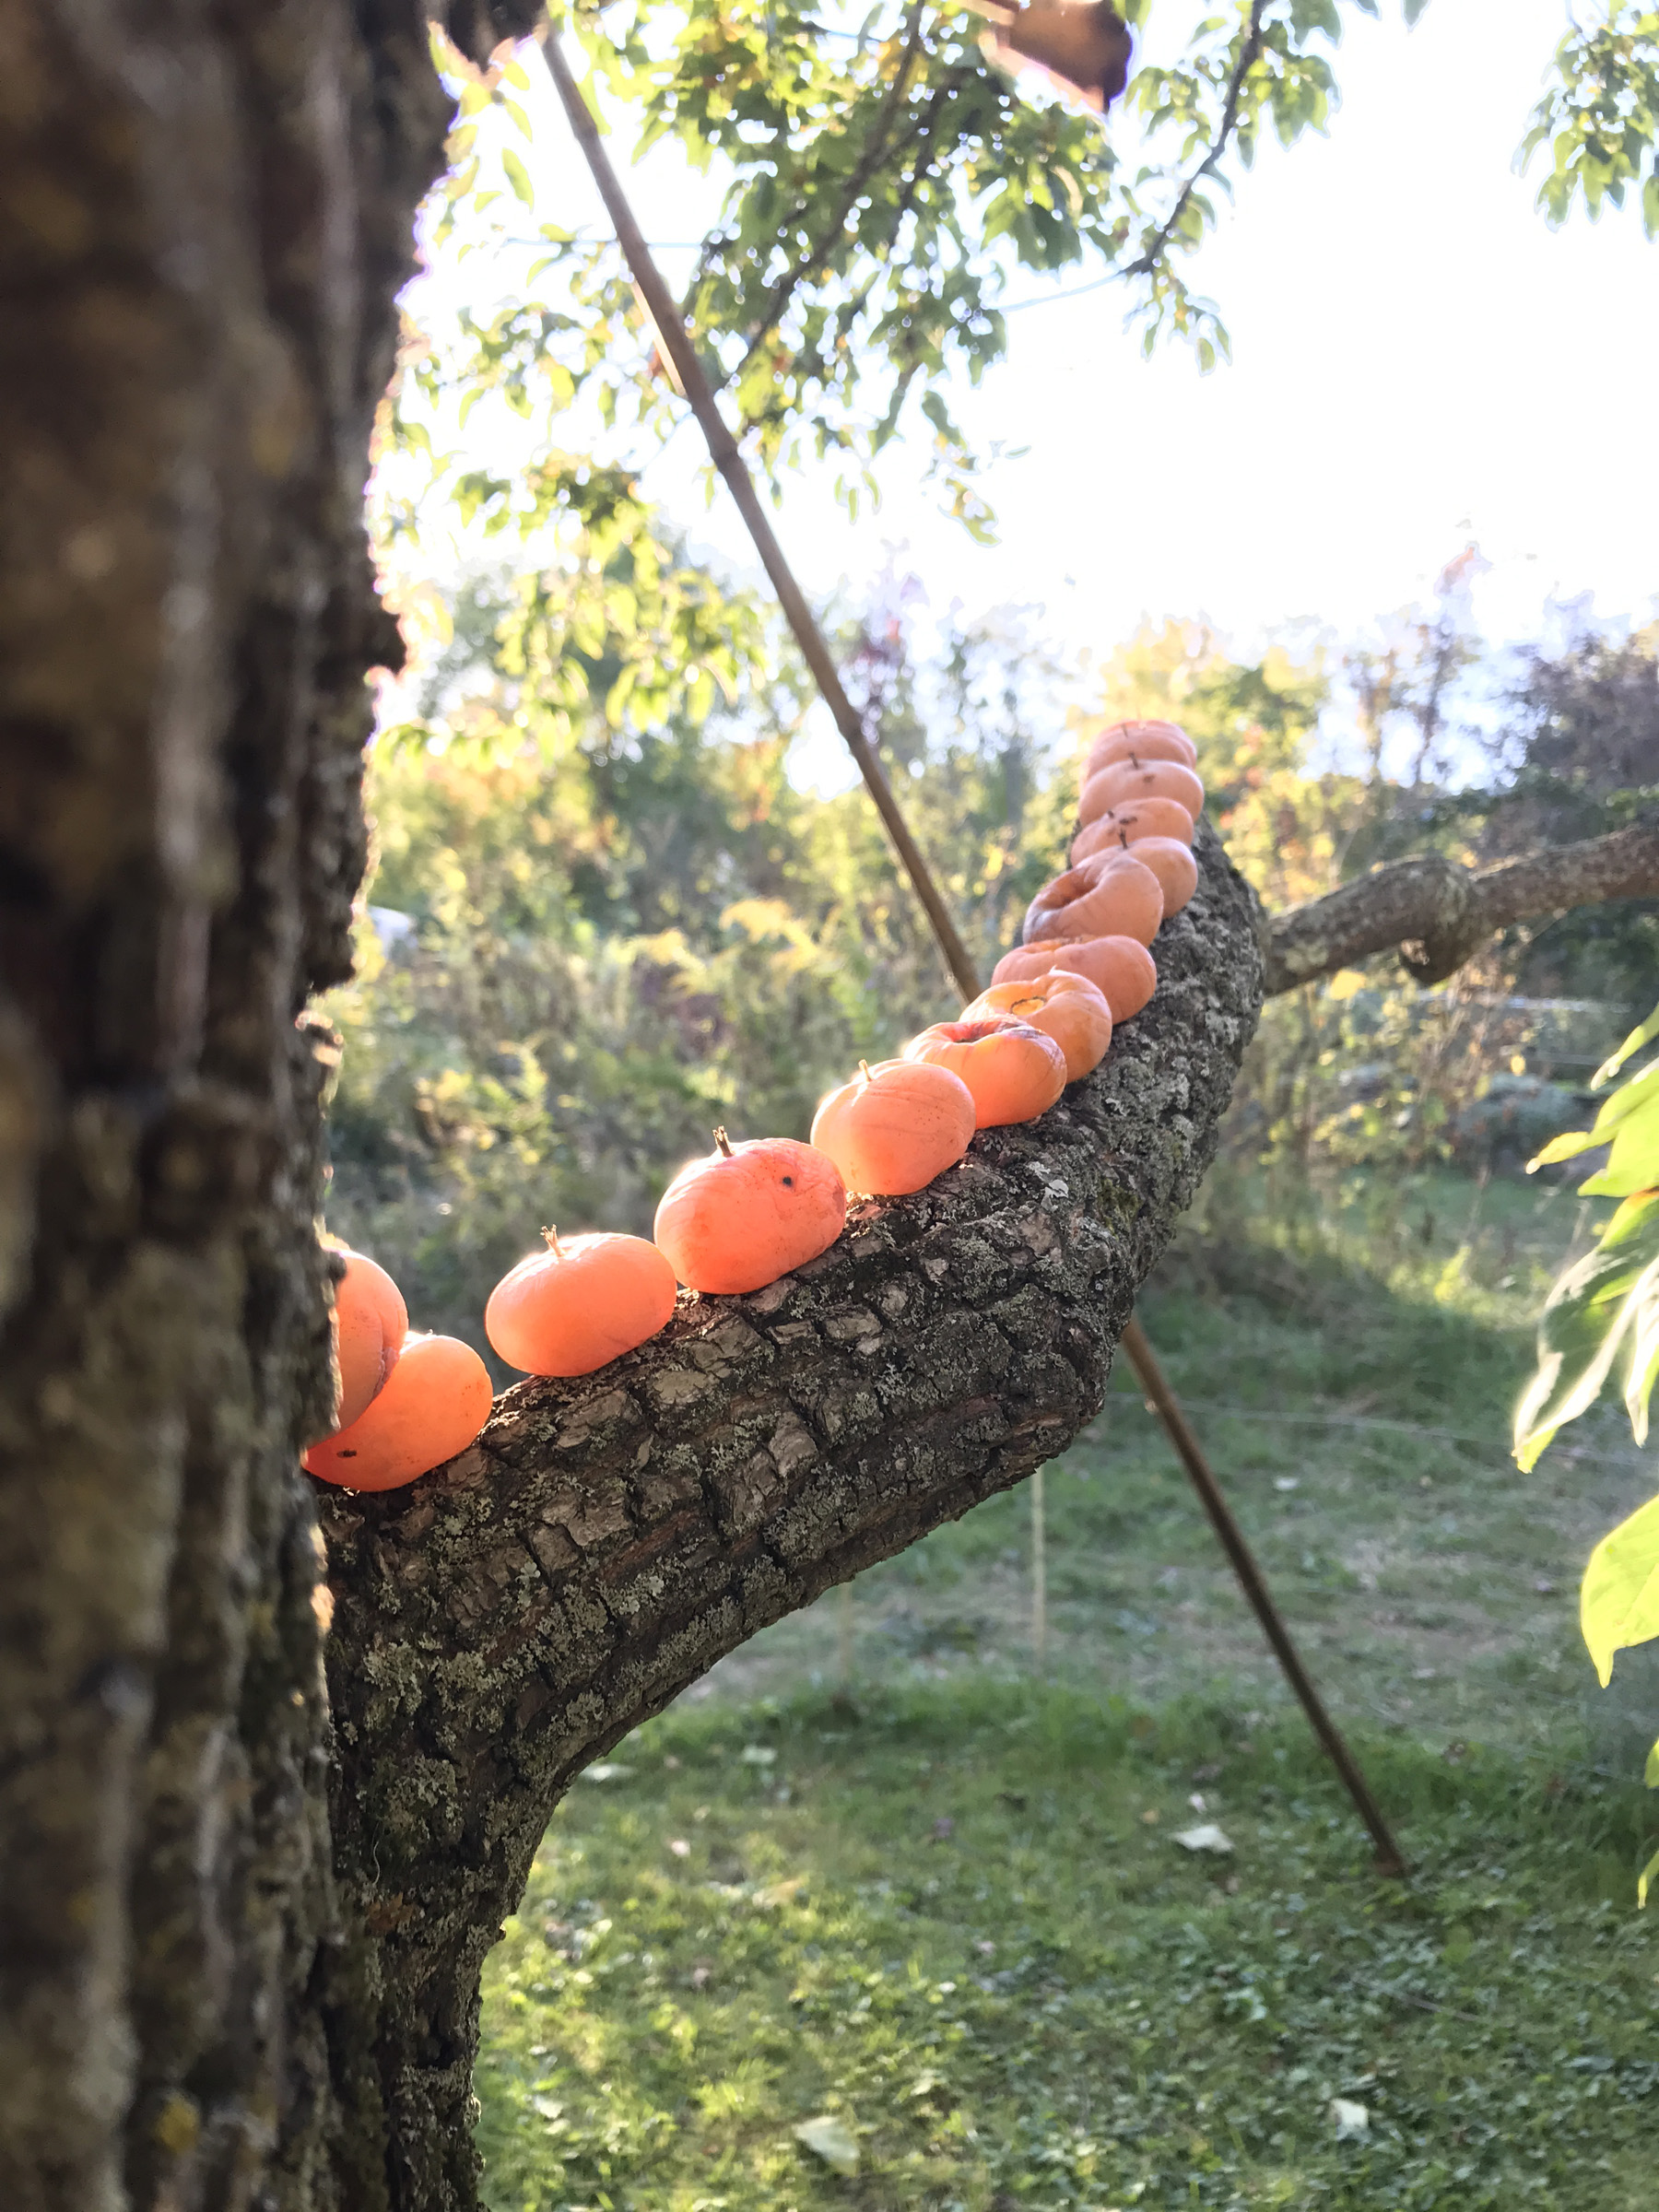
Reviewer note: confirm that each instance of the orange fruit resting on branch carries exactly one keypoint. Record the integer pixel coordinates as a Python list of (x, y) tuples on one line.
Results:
[(1121, 969), (1110, 896), (581, 1304), (750, 1213), (1014, 1071), (1126, 824), (1124, 780), (370, 1322), (1063, 1005), (895, 1126), (434, 1403), (1139, 741), (1173, 864), (1122, 738)]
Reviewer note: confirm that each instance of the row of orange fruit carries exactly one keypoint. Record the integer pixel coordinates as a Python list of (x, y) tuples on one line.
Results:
[(751, 1212)]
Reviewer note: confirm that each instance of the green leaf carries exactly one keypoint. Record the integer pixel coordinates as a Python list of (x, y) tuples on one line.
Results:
[(1652, 1775), (1633, 1163), (518, 176), (1645, 1362), (1629, 1121), (1619, 1601), (1627, 1051), (1607, 1298)]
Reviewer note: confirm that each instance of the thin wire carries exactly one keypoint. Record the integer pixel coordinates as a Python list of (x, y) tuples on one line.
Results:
[(1018, 307)]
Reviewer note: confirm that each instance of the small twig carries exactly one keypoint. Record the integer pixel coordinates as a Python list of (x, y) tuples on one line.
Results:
[(785, 291), (1252, 47)]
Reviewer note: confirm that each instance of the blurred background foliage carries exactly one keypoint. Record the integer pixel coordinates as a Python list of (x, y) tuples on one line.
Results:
[(609, 907), (587, 942)]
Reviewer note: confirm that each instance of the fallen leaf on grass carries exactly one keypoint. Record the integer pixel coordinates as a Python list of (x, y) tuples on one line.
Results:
[(1208, 1837), (1352, 2122), (829, 2137), (772, 1894)]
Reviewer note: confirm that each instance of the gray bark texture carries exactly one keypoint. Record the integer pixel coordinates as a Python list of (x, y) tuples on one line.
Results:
[(203, 217), (1438, 914)]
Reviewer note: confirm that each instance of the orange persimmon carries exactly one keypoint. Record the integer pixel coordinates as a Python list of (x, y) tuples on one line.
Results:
[(1121, 969), (1171, 861), (1014, 1071), (1124, 780), (433, 1403), (750, 1213), (370, 1322), (895, 1127), (1109, 896), (1139, 741), (581, 1304), (1063, 1005), (1126, 824)]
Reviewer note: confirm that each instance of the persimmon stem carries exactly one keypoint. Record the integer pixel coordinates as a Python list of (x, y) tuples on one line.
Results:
[(723, 1143), (550, 1238), (863, 1070)]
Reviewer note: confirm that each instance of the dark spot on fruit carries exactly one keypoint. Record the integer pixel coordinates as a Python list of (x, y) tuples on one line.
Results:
[(351, 1454), (789, 1183)]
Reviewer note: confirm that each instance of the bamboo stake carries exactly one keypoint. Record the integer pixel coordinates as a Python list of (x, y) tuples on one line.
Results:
[(674, 341), (1390, 1859), (676, 344)]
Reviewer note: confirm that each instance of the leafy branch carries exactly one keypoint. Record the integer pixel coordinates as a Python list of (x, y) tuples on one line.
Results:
[(1605, 1308), (1146, 263), (1600, 117)]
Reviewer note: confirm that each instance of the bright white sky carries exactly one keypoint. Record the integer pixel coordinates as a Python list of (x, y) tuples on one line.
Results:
[(1417, 361)]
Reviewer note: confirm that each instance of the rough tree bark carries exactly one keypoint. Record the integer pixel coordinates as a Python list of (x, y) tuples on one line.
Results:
[(499, 1625), (239, 1937), (1438, 915), (203, 216)]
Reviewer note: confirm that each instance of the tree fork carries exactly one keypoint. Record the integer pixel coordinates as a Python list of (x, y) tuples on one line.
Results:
[(1438, 915)]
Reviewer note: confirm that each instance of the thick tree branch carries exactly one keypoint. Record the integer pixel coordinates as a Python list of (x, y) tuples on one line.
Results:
[(1440, 914), (503, 1621)]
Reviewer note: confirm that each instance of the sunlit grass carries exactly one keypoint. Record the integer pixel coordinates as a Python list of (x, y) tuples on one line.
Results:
[(961, 1921), (935, 1895)]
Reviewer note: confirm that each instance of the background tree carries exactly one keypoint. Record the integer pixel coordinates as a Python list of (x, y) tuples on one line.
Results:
[(242, 1915)]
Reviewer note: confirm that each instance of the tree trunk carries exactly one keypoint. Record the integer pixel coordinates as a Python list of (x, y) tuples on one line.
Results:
[(203, 216)]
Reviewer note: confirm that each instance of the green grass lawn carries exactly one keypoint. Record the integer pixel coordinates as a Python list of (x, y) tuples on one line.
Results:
[(960, 1920), (884, 1869)]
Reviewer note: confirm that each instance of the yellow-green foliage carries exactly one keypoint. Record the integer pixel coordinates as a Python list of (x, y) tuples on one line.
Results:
[(1604, 1307)]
